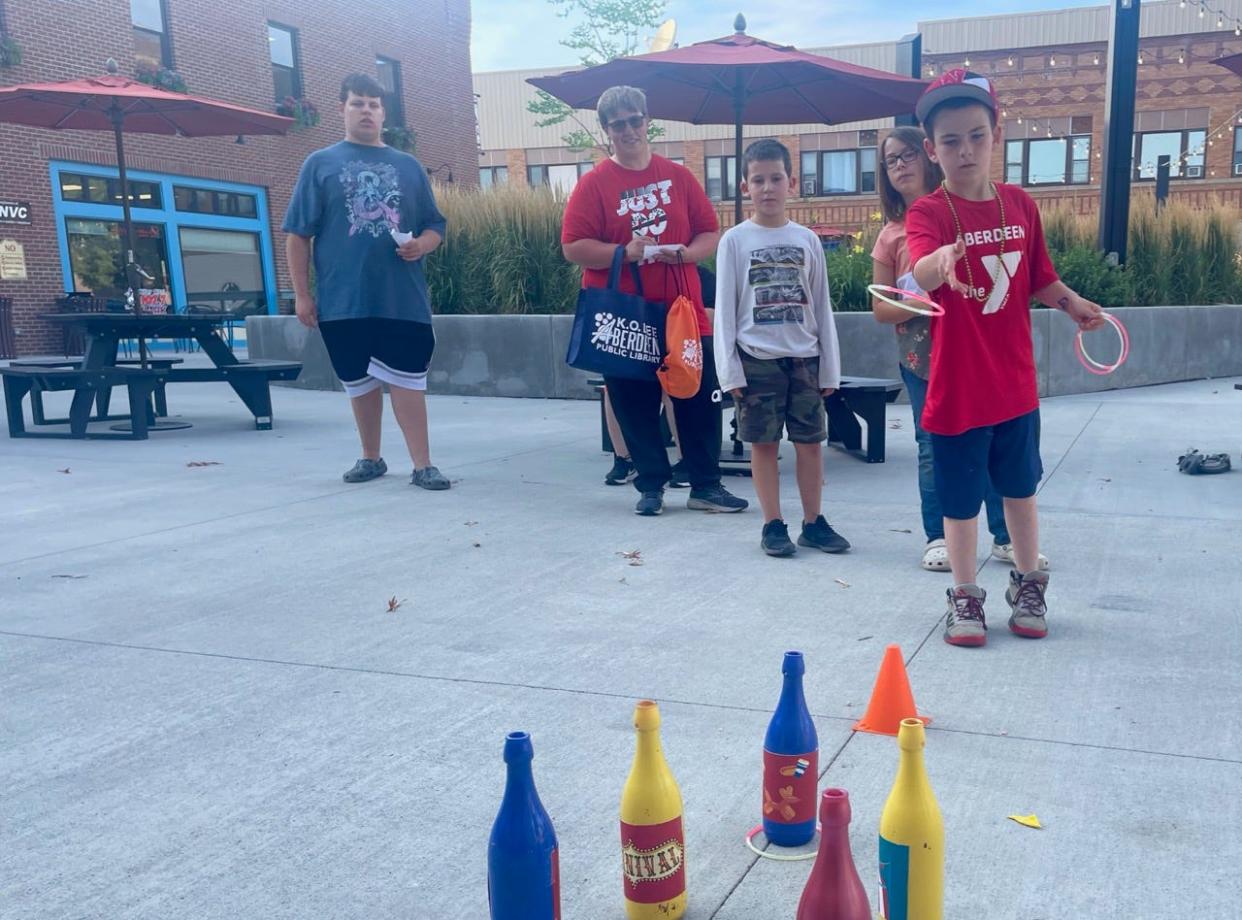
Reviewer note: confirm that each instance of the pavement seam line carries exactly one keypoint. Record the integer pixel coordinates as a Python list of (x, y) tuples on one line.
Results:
[(410, 675)]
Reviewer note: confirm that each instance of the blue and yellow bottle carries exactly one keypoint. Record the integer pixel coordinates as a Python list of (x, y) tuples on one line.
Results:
[(790, 763), (523, 871), (911, 837)]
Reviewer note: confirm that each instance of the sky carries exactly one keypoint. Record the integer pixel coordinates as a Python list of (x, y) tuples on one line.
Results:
[(513, 34)]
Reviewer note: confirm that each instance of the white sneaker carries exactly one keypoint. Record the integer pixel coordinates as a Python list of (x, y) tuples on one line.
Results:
[(1004, 552)]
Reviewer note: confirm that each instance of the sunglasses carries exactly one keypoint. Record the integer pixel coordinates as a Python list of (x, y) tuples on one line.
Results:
[(634, 122), (907, 156)]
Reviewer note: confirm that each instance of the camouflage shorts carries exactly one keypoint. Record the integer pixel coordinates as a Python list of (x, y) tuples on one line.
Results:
[(780, 394)]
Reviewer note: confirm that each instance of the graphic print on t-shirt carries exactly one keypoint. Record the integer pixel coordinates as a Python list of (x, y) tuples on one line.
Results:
[(645, 205), (372, 197), (776, 277)]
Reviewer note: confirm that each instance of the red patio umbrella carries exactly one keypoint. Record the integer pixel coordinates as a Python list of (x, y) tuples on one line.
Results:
[(740, 80), (121, 104)]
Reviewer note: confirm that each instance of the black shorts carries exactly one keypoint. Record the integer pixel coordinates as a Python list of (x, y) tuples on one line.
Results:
[(1007, 454), (368, 352)]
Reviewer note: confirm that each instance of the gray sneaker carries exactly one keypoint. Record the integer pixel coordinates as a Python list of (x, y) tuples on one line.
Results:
[(716, 499), (965, 624), (365, 470), (429, 478), (1025, 595)]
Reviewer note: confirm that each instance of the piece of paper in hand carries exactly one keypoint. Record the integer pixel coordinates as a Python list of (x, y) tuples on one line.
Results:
[(400, 237), (649, 252), (1026, 821)]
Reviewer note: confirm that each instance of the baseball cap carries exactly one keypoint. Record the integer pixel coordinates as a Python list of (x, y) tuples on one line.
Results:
[(957, 84)]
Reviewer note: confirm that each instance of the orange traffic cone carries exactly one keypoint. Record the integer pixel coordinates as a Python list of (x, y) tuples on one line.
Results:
[(891, 700)]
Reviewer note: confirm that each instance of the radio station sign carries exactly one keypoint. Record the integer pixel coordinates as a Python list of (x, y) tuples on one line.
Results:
[(14, 212)]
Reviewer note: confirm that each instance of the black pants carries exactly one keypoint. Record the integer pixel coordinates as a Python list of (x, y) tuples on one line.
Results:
[(636, 404)]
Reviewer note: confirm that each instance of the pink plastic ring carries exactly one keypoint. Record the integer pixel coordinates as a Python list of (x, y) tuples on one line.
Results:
[(1095, 367), (907, 301)]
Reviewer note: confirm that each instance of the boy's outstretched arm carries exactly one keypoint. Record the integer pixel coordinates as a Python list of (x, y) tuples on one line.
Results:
[(1086, 313), (724, 325)]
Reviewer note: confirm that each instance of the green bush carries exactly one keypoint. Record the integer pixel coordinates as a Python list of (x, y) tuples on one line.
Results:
[(1086, 271), (502, 254)]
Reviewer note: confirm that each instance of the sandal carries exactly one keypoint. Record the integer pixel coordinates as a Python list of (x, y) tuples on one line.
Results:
[(1194, 463), (936, 556)]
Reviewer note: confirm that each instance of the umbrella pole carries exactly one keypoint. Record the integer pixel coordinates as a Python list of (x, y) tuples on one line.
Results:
[(739, 101), (132, 298)]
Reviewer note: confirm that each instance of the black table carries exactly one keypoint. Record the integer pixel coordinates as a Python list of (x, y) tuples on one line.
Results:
[(104, 332)]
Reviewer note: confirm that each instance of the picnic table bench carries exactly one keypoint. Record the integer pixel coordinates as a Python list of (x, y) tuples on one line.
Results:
[(857, 397), (104, 396)]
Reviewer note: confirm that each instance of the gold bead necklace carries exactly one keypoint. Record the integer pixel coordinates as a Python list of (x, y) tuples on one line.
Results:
[(957, 227)]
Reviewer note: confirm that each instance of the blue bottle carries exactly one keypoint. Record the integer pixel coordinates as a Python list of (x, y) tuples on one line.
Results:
[(790, 763), (523, 873)]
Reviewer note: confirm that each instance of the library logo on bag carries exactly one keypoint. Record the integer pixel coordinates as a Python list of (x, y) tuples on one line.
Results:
[(626, 338), (692, 353)]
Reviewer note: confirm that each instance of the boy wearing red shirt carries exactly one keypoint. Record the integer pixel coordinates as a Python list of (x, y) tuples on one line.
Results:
[(978, 249)]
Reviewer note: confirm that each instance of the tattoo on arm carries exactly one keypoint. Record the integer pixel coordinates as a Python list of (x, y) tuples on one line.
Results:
[(1063, 304)]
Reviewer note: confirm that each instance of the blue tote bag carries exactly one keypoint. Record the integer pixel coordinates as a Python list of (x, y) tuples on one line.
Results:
[(617, 334)]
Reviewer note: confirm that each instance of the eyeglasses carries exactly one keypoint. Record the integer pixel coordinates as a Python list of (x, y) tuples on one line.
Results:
[(907, 156), (634, 122)]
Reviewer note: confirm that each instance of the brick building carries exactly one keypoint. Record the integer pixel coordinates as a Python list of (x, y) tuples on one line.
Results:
[(1050, 69), (208, 210)]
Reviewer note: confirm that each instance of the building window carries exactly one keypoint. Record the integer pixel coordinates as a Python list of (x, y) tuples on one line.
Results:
[(389, 72), (203, 242), (209, 201), (151, 44), (103, 190), (286, 75), (1237, 151), (223, 270), (95, 259), (560, 177), (838, 172), (1184, 148), (1049, 161), (721, 178), (493, 176), (810, 174)]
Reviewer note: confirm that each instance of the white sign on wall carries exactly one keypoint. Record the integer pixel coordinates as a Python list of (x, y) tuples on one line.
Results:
[(12, 261)]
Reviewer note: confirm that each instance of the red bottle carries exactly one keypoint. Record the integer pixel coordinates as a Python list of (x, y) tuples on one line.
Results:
[(834, 891)]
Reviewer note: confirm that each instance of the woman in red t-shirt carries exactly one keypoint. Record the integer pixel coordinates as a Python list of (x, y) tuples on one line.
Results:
[(637, 199)]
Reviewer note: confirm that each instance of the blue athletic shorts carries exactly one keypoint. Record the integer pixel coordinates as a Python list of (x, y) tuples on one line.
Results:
[(1008, 453)]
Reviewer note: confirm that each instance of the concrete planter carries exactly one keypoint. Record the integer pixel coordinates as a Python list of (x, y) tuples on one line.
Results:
[(525, 355)]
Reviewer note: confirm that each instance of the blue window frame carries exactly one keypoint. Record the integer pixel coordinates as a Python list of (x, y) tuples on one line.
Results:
[(217, 255)]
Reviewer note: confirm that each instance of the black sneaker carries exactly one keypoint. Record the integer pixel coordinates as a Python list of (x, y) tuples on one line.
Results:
[(679, 478), (365, 470), (622, 471), (776, 540), (820, 535), (716, 499), (651, 504)]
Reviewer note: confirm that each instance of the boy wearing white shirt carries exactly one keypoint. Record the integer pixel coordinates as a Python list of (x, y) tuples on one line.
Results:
[(776, 345)]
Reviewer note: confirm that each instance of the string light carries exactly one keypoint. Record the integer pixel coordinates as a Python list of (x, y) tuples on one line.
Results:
[(966, 63), (1096, 60), (1011, 60), (1202, 10), (1181, 55), (1052, 60), (1140, 55)]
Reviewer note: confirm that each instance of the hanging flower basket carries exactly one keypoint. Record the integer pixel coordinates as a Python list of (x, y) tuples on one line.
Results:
[(400, 137), (302, 111), (160, 77)]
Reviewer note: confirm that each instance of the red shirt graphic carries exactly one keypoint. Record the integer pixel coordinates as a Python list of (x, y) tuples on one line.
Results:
[(663, 201), (982, 357)]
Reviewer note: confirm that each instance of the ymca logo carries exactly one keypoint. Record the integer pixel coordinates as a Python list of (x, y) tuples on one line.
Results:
[(1000, 288)]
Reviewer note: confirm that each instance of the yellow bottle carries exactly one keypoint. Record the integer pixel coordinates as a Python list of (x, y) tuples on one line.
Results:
[(911, 837), (653, 841)]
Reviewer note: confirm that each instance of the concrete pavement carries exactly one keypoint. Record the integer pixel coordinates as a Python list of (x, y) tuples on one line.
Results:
[(209, 712)]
